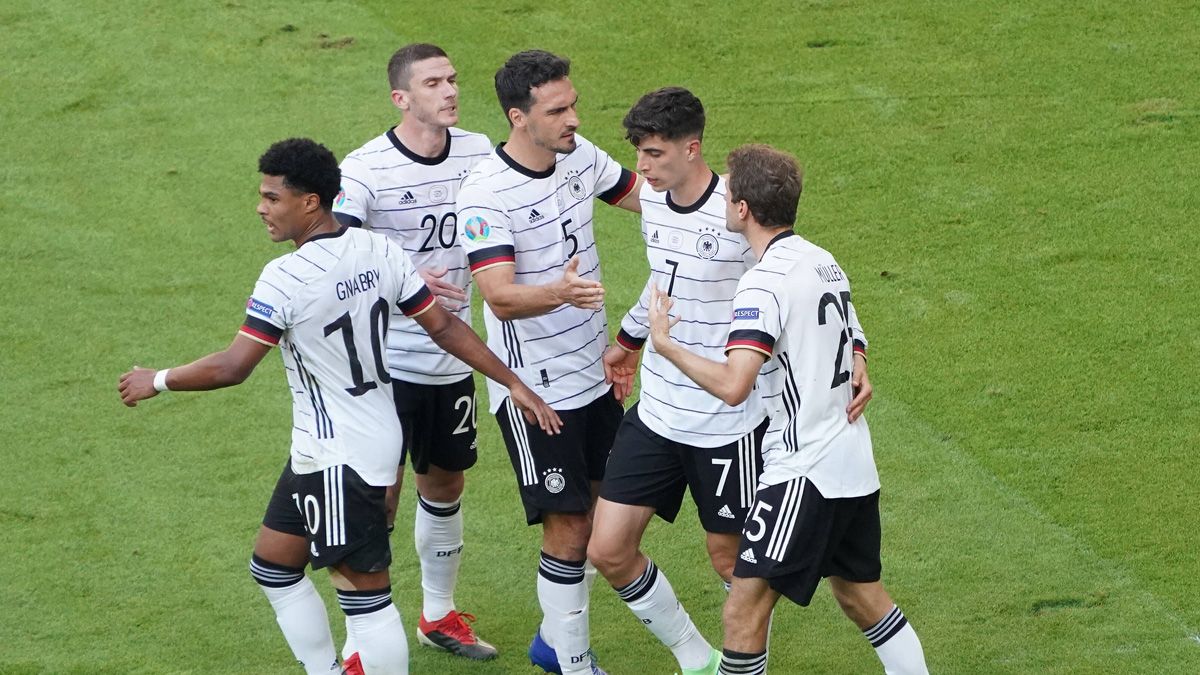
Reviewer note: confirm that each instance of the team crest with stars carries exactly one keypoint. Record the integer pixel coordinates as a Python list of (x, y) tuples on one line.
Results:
[(553, 480), (575, 187), (707, 245)]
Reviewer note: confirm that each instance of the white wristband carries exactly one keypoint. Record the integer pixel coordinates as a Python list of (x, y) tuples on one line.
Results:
[(160, 380)]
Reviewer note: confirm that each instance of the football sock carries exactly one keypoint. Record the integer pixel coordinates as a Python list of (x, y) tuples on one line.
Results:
[(377, 630), (300, 613), (740, 663), (589, 575), (727, 585), (651, 599), (563, 596), (351, 646), (438, 535), (896, 644)]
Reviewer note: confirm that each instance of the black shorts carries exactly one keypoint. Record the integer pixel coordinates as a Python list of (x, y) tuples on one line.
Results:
[(554, 473), (647, 469), (795, 537), (343, 518), (439, 424)]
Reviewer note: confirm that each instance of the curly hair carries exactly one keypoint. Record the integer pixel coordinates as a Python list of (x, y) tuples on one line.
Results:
[(306, 166)]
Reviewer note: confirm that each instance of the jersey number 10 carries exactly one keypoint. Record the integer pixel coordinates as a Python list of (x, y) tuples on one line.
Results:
[(379, 326)]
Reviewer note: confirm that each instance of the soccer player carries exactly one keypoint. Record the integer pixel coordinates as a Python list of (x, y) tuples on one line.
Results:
[(816, 512), (327, 306), (403, 184), (526, 218), (678, 435)]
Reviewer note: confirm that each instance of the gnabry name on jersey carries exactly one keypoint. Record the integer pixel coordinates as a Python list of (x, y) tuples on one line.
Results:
[(357, 284)]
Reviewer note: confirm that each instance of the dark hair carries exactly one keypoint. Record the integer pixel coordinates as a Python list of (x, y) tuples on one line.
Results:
[(306, 167), (671, 112), (400, 65), (769, 181), (522, 72)]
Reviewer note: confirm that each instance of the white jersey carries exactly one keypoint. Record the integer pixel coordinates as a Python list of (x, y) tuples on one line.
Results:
[(698, 262), (794, 306), (327, 306), (394, 191), (538, 220)]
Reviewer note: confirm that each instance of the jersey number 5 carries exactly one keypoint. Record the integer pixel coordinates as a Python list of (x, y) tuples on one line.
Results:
[(379, 327)]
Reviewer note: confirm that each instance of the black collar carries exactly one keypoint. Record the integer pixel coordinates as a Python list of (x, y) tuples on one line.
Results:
[(522, 169), (428, 161), (782, 235), (695, 206), (328, 235)]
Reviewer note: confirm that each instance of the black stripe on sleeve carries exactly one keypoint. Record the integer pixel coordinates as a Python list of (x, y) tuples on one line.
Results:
[(617, 192), (263, 327)]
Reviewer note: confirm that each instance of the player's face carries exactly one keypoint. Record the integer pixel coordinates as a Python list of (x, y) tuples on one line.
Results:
[(552, 120), (281, 208), (733, 217), (432, 94), (665, 164)]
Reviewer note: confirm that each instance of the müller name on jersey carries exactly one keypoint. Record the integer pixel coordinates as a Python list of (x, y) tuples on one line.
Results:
[(357, 284), (829, 273)]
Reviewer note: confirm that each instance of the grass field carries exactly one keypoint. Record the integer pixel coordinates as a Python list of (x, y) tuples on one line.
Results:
[(1006, 184)]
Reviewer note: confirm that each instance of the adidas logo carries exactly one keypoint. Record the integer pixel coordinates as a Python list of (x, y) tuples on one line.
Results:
[(534, 216), (654, 237), (408, 198), (748, 556), (725, 512)]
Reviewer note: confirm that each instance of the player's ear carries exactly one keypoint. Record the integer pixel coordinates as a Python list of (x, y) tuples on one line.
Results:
[(516, 118), (693, 149), (312, 201), (400, 99)]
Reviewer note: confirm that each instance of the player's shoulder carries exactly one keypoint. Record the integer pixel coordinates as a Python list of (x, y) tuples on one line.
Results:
[(372, 148), (488, 173), (469, 142)]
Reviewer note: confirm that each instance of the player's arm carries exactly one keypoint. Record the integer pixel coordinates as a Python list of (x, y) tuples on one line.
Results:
[(622, 356), (457, 338), (731, 380), (220, 369), (632, 201), (859, 381), (510, 300)]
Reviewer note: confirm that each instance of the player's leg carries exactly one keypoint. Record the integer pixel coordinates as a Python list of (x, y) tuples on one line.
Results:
[(443, 447), (747, 620), (277, 565), (348, 534), (853, 568), (644, 476)]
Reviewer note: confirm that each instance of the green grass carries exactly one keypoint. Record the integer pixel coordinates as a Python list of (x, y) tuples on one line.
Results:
[(1006, 183)]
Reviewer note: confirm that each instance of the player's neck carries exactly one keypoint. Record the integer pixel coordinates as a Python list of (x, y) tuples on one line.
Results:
[(422, 139), (324, 223), (522, 150), (760, 237), (694, 186)]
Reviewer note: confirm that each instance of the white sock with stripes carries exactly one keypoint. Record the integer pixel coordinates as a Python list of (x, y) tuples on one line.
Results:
[(896, 644), (377, 629), (300, 613), (563, 596), (438, 537), (739, 663), (651, 599)]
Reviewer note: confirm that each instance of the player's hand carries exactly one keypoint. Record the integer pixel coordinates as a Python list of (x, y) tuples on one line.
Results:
[(535, 409), (620, 365), (661, 320), (862, 388), (448, 295), (137, 385), (574, 290)]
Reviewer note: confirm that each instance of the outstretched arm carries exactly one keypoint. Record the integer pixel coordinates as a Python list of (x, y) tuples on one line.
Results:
[(731, 380), (457, 338), (220, 369)]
